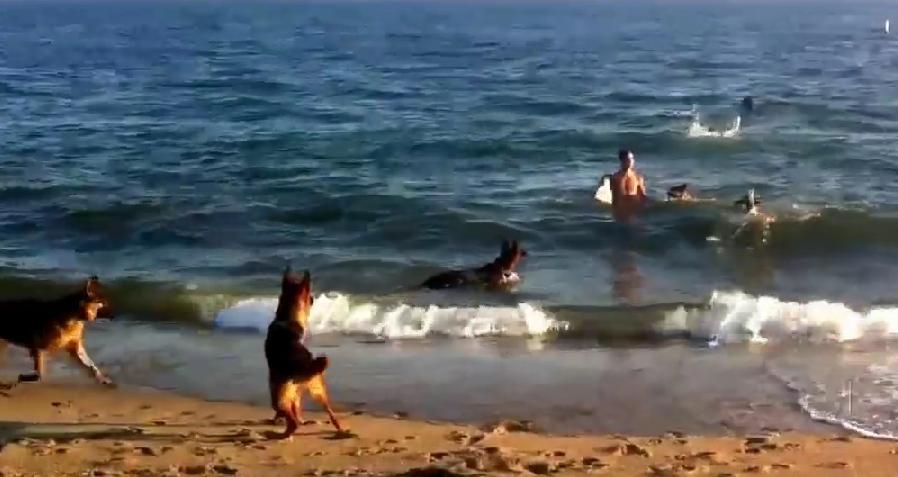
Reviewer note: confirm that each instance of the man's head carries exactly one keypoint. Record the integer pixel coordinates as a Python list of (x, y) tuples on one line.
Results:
[(626, 158)]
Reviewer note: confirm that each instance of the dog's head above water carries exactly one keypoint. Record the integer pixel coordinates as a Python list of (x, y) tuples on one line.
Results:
[(679, 192), (504, 268), (92, 302), (749, 203), (295, 301)]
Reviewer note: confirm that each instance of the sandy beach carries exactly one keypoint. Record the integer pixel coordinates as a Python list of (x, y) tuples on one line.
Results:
[(76, 430)]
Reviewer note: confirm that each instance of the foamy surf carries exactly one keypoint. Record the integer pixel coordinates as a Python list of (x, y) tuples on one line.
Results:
[(732, 317), (334, 313), (863, 403), (697, 129)]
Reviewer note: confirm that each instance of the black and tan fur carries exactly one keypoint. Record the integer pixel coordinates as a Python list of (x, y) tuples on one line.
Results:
[(292, 369), (54, 325), (498, 274)]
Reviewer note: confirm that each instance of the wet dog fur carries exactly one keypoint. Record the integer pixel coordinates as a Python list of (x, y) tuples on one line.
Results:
[(498, 274)]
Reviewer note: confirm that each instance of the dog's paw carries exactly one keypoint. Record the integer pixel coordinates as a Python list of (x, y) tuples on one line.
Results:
[(106, 382), (29, 378)]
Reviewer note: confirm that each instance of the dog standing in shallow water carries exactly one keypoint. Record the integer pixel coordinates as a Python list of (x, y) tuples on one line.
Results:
[(47, 326), (498, 274), (292, 368)]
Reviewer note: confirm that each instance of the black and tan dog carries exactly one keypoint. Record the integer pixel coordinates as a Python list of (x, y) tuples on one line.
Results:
[(498, 275), (292, 369), (48, 326)]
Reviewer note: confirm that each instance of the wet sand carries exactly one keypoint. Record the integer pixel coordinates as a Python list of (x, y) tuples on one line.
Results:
[(75, 429), (562, 387)]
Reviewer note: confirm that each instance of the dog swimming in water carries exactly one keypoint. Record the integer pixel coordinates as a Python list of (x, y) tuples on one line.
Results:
[(500, 274)]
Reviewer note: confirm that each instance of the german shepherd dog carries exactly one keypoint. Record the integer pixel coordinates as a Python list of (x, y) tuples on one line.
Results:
[(497, 275), (49, 326), (292, 368)]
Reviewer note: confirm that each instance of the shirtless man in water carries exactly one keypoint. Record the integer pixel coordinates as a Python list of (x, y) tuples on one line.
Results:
[(627, 185)]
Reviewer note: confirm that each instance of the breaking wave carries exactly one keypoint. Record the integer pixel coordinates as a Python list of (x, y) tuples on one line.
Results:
[(336, 313), (732, 317)]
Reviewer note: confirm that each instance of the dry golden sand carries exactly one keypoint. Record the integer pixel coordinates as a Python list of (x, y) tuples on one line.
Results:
[(56, 430)]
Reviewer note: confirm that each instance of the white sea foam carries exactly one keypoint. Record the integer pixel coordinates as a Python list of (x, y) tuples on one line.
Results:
[(336, 313), (738, 317), (697, 129)]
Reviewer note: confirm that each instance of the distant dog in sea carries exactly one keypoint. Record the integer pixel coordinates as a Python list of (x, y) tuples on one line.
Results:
[(292, 369), (679, 193), (497, 275), (48, 326), (682, 193), (750, 203), (754, 218)]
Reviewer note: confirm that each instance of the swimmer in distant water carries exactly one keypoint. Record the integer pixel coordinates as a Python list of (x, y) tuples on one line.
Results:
[(627, 186)]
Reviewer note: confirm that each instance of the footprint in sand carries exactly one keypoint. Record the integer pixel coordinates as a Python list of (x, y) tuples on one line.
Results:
[(835, 465), (146, 451)]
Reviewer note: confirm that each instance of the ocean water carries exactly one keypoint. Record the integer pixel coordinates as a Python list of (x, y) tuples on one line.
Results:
[(186, 151)]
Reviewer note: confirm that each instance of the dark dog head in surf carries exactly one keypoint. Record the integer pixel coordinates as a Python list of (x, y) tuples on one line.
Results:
[(500, 274), (749, 203), (505, 266), (679, 193)]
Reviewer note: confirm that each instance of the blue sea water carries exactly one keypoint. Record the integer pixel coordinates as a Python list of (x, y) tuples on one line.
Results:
[(186, 151)]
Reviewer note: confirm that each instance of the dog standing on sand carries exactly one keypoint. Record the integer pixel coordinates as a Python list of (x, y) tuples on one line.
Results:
[(500, 274), (292, 369), (48, 326)]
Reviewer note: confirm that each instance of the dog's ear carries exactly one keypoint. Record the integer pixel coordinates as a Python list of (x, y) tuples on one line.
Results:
[(506, 247), (305, 287), (287, 277), (92, 286)]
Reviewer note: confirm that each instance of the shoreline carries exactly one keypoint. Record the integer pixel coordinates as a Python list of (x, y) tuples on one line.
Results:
[(74, 429)]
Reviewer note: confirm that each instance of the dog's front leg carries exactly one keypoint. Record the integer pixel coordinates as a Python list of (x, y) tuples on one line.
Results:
[(80, 354)]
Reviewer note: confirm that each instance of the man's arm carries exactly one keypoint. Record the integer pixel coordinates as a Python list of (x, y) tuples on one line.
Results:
[(640, 191)]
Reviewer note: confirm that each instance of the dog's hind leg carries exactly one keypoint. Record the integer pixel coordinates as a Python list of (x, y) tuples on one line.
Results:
[(296, 407), (37, 356), (318, 390), (77, 351), (287, 408)]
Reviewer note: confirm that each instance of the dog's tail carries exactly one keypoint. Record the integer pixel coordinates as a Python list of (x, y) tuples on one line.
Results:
[(312, 369)]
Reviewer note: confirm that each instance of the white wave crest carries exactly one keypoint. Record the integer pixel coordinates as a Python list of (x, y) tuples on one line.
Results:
[(739, 317), (335, 313), (697, 129)]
